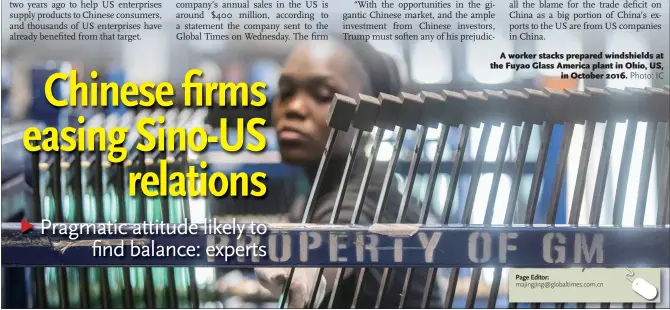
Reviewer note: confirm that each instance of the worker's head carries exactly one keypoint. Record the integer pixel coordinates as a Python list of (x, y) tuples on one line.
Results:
[(311, 76)]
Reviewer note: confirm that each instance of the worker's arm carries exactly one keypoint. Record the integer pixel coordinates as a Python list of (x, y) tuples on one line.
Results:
[(323, 214), (304, 278), (302, 283)]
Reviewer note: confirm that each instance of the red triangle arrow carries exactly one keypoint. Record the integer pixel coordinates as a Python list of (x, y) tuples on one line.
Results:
[(25, 226)]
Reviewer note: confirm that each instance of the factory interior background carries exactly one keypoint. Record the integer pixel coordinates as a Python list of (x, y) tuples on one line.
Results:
[(423, 65)]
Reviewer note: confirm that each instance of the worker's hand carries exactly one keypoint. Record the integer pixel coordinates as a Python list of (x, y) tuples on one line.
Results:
[(302, 284)]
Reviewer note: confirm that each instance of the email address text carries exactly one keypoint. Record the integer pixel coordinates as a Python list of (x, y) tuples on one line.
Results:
[(558, 284)]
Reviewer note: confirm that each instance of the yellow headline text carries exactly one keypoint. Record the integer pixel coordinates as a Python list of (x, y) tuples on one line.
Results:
[(155, 135), (153, 138), (194, 183), (148, 94)]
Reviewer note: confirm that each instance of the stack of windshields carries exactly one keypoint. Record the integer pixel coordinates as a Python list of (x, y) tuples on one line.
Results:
[(15, 187), (85, 187)]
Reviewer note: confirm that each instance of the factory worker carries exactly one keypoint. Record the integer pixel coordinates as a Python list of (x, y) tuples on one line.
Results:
[(312, 74)]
